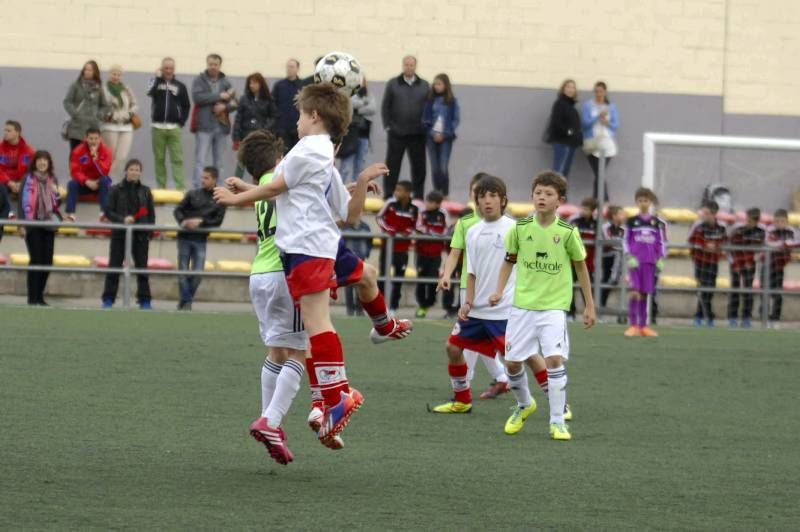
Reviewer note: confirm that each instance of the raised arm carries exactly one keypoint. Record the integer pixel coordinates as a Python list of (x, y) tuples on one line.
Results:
[(261, 192)]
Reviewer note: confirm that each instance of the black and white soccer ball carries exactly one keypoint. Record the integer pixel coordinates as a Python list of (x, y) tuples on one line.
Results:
[(341, 69)]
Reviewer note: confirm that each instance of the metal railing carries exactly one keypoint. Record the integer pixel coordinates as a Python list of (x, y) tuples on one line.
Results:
[(127, 270)]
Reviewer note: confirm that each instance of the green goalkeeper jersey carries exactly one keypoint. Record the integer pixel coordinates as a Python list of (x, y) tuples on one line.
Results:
[(459, 241)]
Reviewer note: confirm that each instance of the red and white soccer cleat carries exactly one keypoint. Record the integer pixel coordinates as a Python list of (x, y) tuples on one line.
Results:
[(495, 389), (400, 329), (336, 418), (274, 439)]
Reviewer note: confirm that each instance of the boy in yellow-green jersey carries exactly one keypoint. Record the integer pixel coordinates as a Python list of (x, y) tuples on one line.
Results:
[(544, 249)]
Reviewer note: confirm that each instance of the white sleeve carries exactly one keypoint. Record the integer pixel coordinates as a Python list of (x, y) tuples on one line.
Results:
[(338, 196), (470, 258), (302, 166)]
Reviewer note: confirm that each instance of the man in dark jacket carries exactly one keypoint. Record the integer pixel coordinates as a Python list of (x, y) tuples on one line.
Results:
[(283, 93), (197, 209), (169, 111), (403, 103), (129, 202), (214, 100)]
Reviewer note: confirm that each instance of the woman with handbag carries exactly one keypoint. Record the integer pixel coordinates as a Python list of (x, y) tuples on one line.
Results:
[(39, 201), (600, 122), (564, 130), (256, 111), (117, 128), (86, 105)]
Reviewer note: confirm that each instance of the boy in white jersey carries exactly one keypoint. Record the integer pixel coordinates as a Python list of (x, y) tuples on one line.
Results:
[(543, 247), (481, 327), (309, 200)]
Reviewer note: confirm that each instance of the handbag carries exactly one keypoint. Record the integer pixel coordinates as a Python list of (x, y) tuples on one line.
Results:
[(136, 121)]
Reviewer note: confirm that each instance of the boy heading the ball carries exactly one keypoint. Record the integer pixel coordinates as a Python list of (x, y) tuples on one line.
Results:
[(544, 248)]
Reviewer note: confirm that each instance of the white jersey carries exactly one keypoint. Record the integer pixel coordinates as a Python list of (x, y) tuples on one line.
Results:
[(315, 199), (486, 253)]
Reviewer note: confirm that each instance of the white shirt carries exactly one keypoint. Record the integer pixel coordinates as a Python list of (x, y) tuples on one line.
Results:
[(316, 197), (486, 253)]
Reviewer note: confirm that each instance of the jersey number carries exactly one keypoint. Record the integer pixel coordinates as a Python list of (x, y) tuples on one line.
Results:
[(263, 217)]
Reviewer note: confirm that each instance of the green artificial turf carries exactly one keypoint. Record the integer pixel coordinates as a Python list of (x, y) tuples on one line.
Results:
[(138, 420)]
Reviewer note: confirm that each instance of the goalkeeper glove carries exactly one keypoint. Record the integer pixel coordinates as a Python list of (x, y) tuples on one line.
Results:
[(633, 263)]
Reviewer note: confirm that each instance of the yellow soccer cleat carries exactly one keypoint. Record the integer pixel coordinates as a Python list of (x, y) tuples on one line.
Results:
[(560, 431), (452, 407), (567, 413), (515, 423)]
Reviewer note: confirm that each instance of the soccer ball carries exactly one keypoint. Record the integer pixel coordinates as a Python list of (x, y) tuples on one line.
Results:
[(341, 69)]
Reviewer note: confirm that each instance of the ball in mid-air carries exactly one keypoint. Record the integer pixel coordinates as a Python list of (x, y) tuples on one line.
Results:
[(341, 69)]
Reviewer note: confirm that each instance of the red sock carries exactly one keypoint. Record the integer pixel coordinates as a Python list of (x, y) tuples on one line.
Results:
[(541, 378), (328, 366), (379, 314), (313, 384), (458, 378)]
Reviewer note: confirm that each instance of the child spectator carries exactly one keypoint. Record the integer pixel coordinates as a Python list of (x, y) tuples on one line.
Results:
[(362, 247), (612, 255), (440, 119), (15, 158), (743, 265), (432, 221), (398, 217), (706, 237), (783, 237), (89, 166), (586, 222)]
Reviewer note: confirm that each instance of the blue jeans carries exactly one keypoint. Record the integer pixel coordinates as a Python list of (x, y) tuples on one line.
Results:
[(75, 189), (191, 256), (562, 158), (205, 141), (439, 155), (352, 165)]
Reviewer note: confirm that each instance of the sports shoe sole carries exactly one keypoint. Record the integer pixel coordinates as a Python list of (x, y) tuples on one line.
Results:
[(279, 453), (329, 440), (378, 338)]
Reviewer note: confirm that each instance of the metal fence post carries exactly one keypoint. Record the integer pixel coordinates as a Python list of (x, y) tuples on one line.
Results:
[(388, 287), (598, 250), (126, 277), (766, 271)]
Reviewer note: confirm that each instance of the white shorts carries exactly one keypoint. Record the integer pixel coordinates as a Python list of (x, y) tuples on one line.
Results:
[(279, 320), (533, 332)]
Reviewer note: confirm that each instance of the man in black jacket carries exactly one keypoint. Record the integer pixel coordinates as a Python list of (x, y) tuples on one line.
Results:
[(283, 92), (129, 202), (197, 209), (170, 109), (401, 110)]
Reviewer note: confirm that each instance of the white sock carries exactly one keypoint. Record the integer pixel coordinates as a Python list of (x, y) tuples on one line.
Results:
[(286, 389), (519, 385), (472, 358), (557, 393), (495, 368), (269, 375)]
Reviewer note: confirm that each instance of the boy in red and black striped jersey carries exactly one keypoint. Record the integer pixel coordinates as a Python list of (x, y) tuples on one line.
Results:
[(432, 221), (743, 265), (398, 217), (586, 222), (706, 237), (612, 255), (783, 238)]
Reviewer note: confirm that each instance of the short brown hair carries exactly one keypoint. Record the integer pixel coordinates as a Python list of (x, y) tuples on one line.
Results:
[(612, 211), (16, 125), (549, 178), (494, 184), (332, 106), (644, 192), (589, 203), (258, 152), (781, 213)]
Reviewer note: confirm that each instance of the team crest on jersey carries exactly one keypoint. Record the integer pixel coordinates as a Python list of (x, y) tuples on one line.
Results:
[(508, 347), (456, 330), (556, 239)]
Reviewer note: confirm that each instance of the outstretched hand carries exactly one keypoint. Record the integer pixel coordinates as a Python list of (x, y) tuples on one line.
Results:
[(235, 184), (223, 196), (373, 171)]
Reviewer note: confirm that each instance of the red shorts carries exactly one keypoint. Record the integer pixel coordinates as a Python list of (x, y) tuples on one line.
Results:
[(308, 275), (487, 337)]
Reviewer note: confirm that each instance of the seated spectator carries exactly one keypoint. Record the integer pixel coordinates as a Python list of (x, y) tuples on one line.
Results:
[(15, 158), (129, 202), (586, 222), (743, 265), (706, 237), (256, 111), (196, 209), (362, 247), (39, 200), (783, 238), (89, 166), (433, 222), (398, 217)]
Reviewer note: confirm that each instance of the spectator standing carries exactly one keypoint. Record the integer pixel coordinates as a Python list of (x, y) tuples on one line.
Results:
[(398, 217), (614, 230), (214, 100), (256, 111), (355, 145), (564, 130), (85, 103), (362, 247), (600, 123), (743, 265), (15, 158), (404, 100), (89, 166), (440, 119), (706, 237), (117, 128), (129, 202), (170, 106), (432, 222), (783, 238), (39, 201), (586, 223), (283, 93), (196, 209)]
